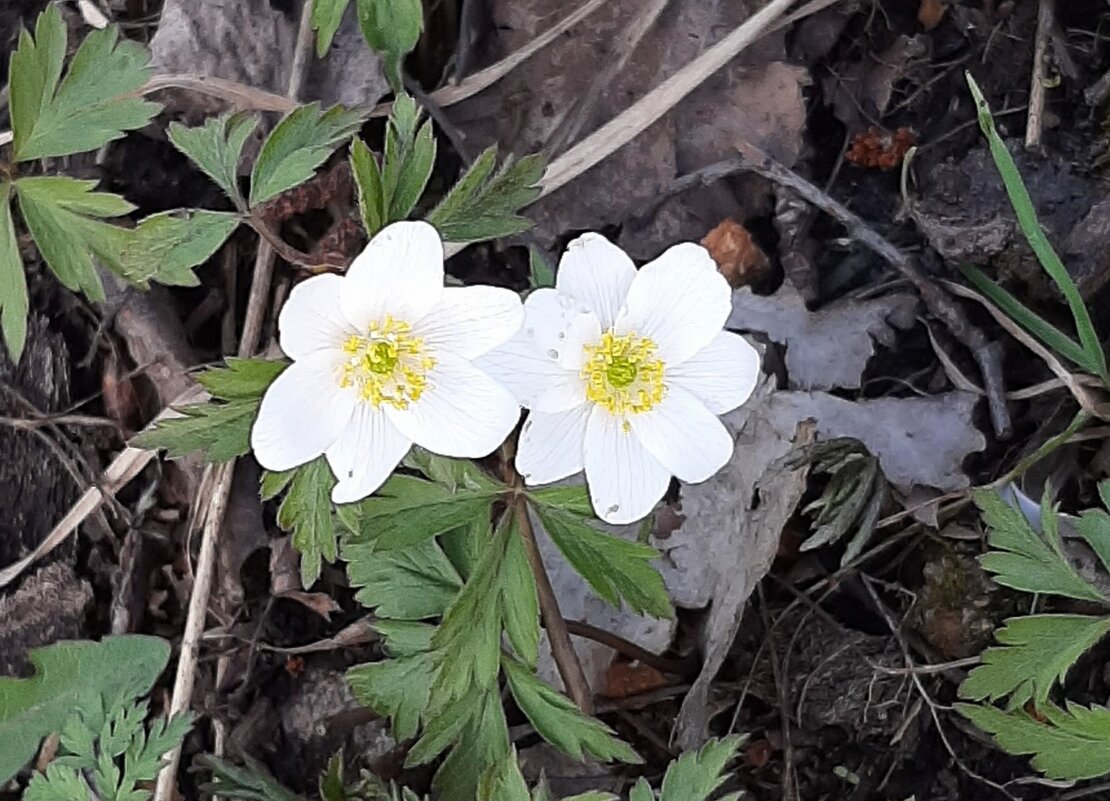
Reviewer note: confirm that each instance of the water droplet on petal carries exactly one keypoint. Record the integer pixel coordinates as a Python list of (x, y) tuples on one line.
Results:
[(613, 509), (554, 354)]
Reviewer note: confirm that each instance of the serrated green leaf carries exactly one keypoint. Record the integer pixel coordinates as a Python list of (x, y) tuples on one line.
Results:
[(1025, 560), (696, 774), (1037, 652), (407, 510), (519, 600), (642, 791), (483, 742), (616, 569), (95, 103), (252, 782), (504, 781), (575, 500), (13, 283), (326, 16), (405, 637), (483, 204), (560, 722), (368, 182), (274, 481), (410, 583), (59, 783), (220, 431), (468, 642), (306, 513), (65, 673), (330, 784), (166, 247), (409, 156), (398, 688), (392, 27), (241, 379), (1035, 235), (63, 215), (1072, 744), (300, 143), (539, 270), (216, 148), (454, 474), (1094, 526)]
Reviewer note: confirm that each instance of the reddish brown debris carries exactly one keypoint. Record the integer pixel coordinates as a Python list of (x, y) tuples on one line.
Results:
[(738, 257), (880, 149)]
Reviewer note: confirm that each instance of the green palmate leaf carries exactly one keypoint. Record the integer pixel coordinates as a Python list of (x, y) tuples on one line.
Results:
[(64, 216), (1031, 227), (368, 181), (407, 510), (299, 144), (392, 27), (1032, 322), (65, 674), (220, 431), (306, 513), (484, 204), (468, 642), (519, 600), (216, 148), (398, 688), (1072, 744), (241, 379), (95, 103), (1038, 652), (166, 247), (695, 775), (326, 16), (1025, 560), (274, 481), (405, 637), (616, 569), (560, 722), (410, 583), (57, 784), (13, 283), (455, 474)]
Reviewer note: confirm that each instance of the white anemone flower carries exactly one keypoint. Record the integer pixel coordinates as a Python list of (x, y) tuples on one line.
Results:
[(625, 372), (382, 358)]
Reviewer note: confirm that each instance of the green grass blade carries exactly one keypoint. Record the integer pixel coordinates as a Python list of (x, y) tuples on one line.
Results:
[(1027, 219), (1043, 330)]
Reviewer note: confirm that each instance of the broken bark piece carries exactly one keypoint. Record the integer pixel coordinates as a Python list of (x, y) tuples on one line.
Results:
[(49, 606)]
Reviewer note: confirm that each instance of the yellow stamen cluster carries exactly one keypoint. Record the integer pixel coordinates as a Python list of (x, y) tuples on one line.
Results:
[(622, 375), (387, 365)]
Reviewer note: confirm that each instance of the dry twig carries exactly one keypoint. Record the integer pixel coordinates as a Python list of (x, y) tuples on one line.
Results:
[(1046, 20)]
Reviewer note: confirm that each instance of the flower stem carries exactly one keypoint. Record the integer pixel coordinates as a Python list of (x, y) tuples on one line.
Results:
[(562, 649)]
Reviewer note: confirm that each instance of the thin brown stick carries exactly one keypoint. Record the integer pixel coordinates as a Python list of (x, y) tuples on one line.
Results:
[(1046, 20), (789, 786), (630, 650), (986, 353), (562, 649)]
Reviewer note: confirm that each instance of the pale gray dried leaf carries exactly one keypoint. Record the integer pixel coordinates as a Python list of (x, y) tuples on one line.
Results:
[(251, 42), (725, 547), (827, 348), (918, 440), (860, 92), (756, 97)]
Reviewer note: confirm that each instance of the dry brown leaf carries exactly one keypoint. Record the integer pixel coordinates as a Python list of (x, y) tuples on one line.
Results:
[(631, 678), (738, 257), (931, 12)]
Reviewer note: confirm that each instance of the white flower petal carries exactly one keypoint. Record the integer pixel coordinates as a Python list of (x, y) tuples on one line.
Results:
[(551, 446), (365, 454), (722, 375), (598, 274), (536, 381), (463, 412), (302, 413), (679, 301), (469, 321), (625, 481), (560, 326), (310, 320), (684, 436), (399, 273)]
